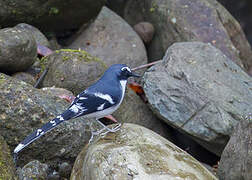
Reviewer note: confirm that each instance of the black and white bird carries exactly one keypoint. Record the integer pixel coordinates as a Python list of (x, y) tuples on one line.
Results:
[(99, 100)]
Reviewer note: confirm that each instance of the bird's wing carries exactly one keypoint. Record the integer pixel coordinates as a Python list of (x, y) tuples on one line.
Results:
[(84, 104), (88, 103)]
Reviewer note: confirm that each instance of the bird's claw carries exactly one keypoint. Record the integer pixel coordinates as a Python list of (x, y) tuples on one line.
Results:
[(100, 132), (116, 128)]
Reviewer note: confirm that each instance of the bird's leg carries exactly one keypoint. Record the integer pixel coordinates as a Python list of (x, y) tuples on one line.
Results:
[(108, 129), (95, 133)]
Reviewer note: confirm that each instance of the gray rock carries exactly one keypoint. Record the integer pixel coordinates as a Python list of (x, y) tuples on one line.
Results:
[(236, 159), (23, 109), (26, 77), (6, 162), (198, 90), (18, 50), (33, 170), (134, 110), (74, 70), (38, 36), (135, 152), (112, 40), (190, 20), (49, 15)]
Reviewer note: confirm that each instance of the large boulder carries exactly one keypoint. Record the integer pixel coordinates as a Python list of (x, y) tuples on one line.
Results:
[(134, 110), (236, 159), (6, 162), (38, 36), (49, 15), (111, 39), (23, 109), (198, 90), (18, 50), (74, 70), (190, 20), (135, 152)]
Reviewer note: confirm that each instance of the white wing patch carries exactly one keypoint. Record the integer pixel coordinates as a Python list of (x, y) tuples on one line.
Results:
[(82, 98), (101, 107), (76, 108), (105, 97)]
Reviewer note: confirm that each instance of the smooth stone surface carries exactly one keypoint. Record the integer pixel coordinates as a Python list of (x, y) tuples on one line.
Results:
[(199, 91), (135, 152), (111, 39)]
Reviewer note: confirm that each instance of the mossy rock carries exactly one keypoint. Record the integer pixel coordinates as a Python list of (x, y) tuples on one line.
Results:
[(74, 70), (6, 162)]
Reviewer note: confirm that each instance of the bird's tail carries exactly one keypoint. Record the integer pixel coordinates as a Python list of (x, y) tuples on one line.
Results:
[(44, 129)]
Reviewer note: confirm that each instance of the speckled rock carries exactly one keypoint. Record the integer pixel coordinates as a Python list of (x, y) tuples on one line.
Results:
[(134, 110), (135, 152), (236, 159), (26, 77), (18, 50), (58, 92), (38, 36), (33, 170), (190, 20), (73, 70), (23, 109), (65, 170), (6, 162), (199, 91), (112, 40), (49, 15)]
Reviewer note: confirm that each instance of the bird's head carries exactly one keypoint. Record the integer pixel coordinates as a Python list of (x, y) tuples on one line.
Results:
[(121, 71)]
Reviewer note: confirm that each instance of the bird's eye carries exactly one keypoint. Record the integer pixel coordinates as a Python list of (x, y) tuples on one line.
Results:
[(126, 69)]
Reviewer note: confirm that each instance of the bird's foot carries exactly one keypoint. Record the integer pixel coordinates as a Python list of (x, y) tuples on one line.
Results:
[(114, 129), (106, 129)]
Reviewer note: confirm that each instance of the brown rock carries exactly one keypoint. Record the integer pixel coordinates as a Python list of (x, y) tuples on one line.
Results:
[(145, 30)]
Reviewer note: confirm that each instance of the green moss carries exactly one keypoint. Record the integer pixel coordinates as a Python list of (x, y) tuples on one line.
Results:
[(82, 56), (154, 7), (2, 78), (43, 63), (53, 11)]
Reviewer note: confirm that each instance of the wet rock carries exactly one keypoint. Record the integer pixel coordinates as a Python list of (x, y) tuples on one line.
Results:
[(23, 109), (6, 161), (199, 91), (26, 77), (33, 170), (38, 36), (135, 152), (134, 110), (190, 20), (49, 15), (65, 170), (112, 40), (18, 50), (236, 159), (54, 176), (73, 70), (145, 30)]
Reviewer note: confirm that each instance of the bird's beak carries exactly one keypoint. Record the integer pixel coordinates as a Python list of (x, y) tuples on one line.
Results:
[(134, 75)]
